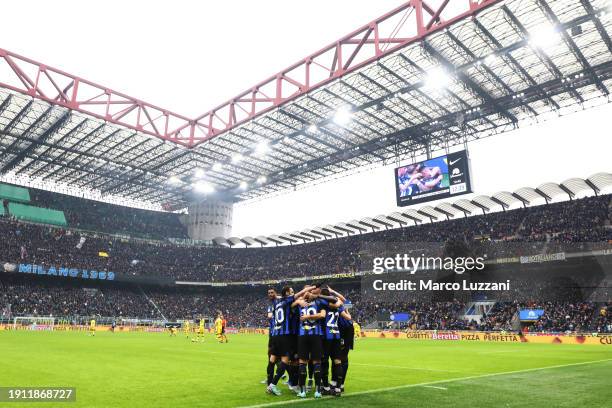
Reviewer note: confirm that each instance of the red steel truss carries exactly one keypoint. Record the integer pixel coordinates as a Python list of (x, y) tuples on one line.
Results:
[(404, 25)]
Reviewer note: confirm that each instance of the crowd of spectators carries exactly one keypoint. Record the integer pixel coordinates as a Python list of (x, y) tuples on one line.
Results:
[(554, 224), (565, 317), (572, 221), (19, 297), (27, 299), (241, 308), (246, 307), (499, 317), (567, 222), (603, 320)]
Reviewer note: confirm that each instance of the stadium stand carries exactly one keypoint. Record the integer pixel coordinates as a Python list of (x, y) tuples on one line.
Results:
[(562, 317), (563, 222), (578, 220), (72, 302), (112, 219), (603, 320), (499, 317), (54, 208)]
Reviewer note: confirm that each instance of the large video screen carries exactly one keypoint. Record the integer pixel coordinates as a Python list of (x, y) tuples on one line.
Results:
[(433, 179)]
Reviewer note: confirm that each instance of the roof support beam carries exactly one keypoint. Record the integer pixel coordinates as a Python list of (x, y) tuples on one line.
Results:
[(545, 59), (71, 162), (431, 217), (508, 56), (482, 207), (598, 25), (488, 70), (569, 192), (595, 189), (68, 134), (398, 220), (543, 194), (38, 142), (503, 205), (522, 199), (465, 211), (573, 47), (488, 99)]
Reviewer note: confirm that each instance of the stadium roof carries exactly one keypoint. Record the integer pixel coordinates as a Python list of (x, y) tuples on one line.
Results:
[(524, 196), (423, 78)]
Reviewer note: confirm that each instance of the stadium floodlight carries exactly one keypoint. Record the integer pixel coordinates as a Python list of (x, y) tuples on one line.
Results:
[(202, 187), (544, 36), (198, 173), (312, 128), (217, 167), (261, 179), (174, 180), (262, 148), (343, 116), (437, 78), (243, 185), (237, 158)]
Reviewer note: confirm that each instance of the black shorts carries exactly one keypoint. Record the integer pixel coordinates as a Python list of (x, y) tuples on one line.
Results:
[(223, 330), (310, 347), (279, 345), (293, 347), (331, 348), (347, 334), (347, 340), (344, 351)]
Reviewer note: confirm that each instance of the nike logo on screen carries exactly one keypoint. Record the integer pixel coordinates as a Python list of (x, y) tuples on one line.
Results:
[(454, 161)]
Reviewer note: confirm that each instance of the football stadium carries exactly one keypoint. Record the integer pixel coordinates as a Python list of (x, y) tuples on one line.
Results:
[(418, 214)]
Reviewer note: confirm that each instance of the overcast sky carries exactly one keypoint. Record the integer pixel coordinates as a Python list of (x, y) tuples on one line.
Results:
[(190, 56)]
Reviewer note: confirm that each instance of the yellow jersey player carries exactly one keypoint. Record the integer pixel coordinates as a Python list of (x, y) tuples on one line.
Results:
[(223, 326), (357, 330), (201, 330), (92, 328), (172, 331), (186, 328), (219, 327)]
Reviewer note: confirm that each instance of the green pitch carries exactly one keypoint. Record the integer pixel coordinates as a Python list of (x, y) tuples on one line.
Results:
[(155, 370)]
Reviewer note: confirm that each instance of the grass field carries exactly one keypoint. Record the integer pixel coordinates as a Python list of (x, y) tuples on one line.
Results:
[(154, 370)]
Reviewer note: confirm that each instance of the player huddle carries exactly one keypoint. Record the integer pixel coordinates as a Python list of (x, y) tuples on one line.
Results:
[(311, 334)]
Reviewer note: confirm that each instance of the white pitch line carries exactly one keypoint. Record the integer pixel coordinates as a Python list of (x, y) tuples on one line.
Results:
[(404, 367), (401, 387), (437, 388), (500, 351)]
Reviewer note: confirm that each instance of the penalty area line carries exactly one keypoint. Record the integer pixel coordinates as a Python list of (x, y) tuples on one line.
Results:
[(431, 383)]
